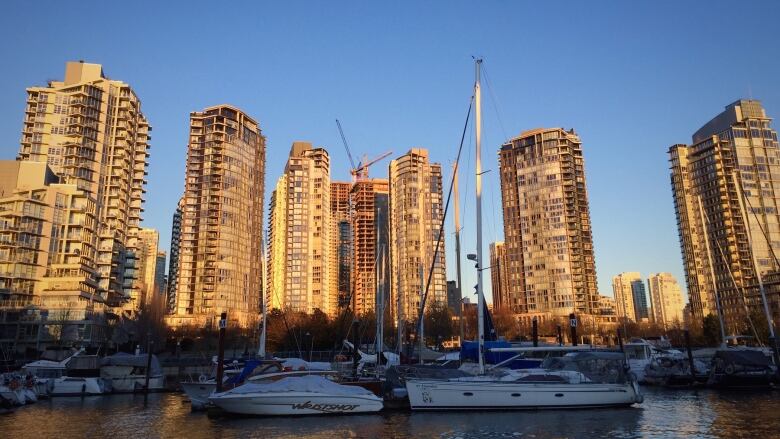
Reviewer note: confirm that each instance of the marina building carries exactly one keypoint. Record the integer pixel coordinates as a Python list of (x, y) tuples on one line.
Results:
[(219, 260), (90, 130), (547, 231), (300, 244), (416, 215), (667, 300), (499, 274), (726, 194)]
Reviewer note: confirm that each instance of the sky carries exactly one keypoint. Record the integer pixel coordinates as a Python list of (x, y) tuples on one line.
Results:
[(632, 78)]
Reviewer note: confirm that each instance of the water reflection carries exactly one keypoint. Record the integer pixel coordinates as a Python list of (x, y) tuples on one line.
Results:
[(697, 414)]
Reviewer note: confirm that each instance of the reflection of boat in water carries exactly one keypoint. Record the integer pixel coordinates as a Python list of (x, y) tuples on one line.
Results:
[(577, 380), (741, 368), (306, 395)]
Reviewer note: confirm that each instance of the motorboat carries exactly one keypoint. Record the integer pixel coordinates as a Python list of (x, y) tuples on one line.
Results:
[(127, 373), (675, 371), (254, 371), (304, 395), (81, 378), (576, 380), (17, 389), (640, 353), (742, 368)]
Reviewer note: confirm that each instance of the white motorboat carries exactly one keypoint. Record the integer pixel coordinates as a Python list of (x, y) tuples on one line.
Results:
[(306, 395), (127, 373), (81, 377), (640, 353), (255, 371), (78, 386), (577, 380)]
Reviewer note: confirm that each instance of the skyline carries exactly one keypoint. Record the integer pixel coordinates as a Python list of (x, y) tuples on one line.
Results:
[(662, 109)]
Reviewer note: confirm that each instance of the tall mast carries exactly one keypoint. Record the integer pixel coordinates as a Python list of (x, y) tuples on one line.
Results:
[(263, 288), (712, 272), (457, 251), (380, 307), (478, 142)]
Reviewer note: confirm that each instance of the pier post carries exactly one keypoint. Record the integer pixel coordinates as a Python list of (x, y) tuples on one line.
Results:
[(221, 355), (560, 336), (690, 354), (355, 344), (620, 340), (149, 344), (573, 326), (535, 331)]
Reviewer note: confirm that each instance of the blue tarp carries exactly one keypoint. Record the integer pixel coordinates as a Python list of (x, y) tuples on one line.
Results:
[(249, 366)]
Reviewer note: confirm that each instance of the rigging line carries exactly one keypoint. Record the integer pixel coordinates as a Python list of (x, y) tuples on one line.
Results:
[(443, 220), (741, 290), (494, 101)]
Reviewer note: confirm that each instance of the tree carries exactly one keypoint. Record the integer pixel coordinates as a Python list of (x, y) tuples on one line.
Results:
[(711, 331), (438, 323), (505, 323)]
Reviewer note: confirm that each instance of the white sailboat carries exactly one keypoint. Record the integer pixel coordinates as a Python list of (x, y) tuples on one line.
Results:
[(577, 380)]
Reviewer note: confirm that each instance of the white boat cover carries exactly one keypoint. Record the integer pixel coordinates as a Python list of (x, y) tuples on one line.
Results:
[(308, 383), (298, 364), (125, 359)]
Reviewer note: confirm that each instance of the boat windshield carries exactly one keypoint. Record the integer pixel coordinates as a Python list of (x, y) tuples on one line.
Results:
[(598, 367)]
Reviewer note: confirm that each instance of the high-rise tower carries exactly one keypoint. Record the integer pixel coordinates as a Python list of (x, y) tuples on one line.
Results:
[(91, 131), (666, 297), (733, 154), (547, 230), (301, 222), (222, 216), (416, 215)]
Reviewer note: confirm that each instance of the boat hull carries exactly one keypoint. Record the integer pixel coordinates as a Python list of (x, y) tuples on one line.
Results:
[(76, 386), (199, 393), (136, 383), (296, 403), (494, 395)]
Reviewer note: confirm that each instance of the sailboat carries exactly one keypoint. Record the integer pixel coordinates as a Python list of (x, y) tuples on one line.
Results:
[(576, 380)]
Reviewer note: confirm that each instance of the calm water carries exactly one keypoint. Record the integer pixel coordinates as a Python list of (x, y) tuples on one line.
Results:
[(693, 414)]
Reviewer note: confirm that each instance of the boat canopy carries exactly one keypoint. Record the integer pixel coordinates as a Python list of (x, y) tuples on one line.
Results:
[(299, 364), (469, 350), (125, 359), (308, 383), (598, 367), (746, 357)]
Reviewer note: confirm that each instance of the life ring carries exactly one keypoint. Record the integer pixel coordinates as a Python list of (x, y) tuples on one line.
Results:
[(729, 369), (203, 378)]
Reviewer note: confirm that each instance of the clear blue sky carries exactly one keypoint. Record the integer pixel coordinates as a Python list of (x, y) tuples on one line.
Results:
[(631, 78)]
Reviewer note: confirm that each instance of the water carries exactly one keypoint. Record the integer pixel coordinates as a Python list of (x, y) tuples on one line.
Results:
[(664, 414)]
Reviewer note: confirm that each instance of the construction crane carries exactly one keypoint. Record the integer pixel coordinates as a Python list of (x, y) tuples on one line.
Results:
[(359, 171)]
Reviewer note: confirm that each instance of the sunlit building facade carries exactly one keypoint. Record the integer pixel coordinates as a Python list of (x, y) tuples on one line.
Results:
[(623, 290), (219, 268), (499, 274), (48, 281), (667, 300), (370, 200), (91, 131), (547, 229), (738, 145), (302, 221), (416, 215)]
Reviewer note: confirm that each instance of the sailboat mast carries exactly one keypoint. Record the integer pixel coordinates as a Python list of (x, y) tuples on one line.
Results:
[(263, 288), (478, 142), (712, 271), (457, 252)]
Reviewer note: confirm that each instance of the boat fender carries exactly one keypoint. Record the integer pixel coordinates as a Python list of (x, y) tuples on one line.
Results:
[(729, 369), (203, 378)]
